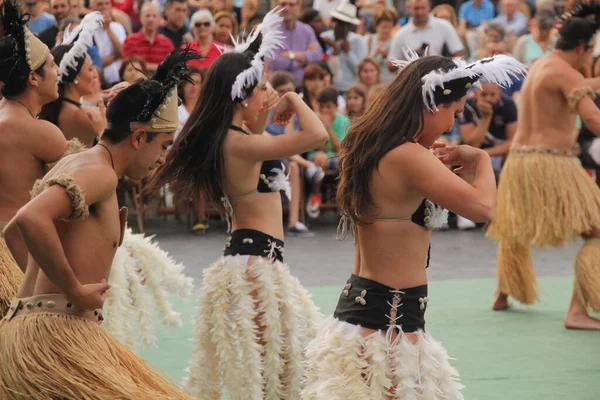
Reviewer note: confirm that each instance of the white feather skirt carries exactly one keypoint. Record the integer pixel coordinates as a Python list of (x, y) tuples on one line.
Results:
[(345, 365), (253, 324), (142, 278)]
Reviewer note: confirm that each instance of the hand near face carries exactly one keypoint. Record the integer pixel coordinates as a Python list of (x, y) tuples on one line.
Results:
[(486, 109)]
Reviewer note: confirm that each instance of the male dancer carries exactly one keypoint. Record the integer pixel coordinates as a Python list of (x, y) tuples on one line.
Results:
[(51, 343), (544, 196), (29, 76)]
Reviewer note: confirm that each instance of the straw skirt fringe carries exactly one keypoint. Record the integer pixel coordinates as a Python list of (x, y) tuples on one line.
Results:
[(253, 324), (51, 356), (343, 364), (543, 199), (10, 277), (587, 274)]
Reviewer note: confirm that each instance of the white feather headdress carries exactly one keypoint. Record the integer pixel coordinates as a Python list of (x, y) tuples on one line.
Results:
[(272, 38), (82, 39), (452, 84)]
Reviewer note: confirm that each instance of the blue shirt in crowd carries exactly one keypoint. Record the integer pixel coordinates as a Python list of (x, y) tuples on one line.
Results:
[(475, 15), (44, 22)]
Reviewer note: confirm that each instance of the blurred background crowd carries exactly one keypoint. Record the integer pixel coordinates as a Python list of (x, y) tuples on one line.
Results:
[(336, 56)]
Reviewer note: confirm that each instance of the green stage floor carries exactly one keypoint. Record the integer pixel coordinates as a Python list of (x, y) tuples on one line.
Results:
[(522, 354)]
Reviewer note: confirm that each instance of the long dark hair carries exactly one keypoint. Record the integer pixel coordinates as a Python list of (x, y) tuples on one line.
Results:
[(195, 164), (395, 117), (51, 111)]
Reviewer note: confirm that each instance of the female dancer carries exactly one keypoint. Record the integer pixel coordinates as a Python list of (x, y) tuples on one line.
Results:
[(254, 318), (77, 80), (375, 345)]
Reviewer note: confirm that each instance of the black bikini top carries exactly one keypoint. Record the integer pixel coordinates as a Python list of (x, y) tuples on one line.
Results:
[(272, 177)]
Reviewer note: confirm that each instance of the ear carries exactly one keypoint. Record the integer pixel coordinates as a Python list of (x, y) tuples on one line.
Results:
[(34, 79), (139, 137)]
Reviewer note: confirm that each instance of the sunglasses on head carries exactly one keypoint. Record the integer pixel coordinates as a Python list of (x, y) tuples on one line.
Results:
[(32, 4), (202, 24)]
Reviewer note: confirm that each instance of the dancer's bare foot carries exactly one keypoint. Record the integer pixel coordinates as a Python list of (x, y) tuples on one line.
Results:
[(581, 321), (501, 301)]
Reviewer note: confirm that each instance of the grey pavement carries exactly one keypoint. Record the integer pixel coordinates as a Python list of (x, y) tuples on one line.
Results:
[(322, 260)]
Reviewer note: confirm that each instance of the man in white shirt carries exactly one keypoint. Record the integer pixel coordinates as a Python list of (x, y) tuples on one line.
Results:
[(425, 31), (109, 40)]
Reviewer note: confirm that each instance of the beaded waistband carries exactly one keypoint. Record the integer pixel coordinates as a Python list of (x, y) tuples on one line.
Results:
[(573, 151), (50, 304)]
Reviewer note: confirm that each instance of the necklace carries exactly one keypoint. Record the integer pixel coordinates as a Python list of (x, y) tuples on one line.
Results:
[(110, 154), (27, 108)]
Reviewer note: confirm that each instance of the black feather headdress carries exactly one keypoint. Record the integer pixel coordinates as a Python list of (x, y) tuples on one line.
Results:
[(152, 103), (590, 12)]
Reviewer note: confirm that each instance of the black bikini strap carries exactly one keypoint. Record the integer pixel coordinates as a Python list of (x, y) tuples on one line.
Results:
[(237, 128), (75, 103)]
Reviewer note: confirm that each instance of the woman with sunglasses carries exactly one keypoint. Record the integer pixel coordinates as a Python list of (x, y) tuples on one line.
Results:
[(203, 25)]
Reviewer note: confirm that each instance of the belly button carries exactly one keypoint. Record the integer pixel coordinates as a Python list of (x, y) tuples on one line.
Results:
[(115, 244)]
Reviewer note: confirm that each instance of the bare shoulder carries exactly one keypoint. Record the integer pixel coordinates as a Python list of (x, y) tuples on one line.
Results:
[(407, 154)]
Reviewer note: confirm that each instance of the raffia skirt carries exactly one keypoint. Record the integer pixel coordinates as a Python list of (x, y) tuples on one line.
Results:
[(253, 324), (10, 275), (545, 198), (50, 350)]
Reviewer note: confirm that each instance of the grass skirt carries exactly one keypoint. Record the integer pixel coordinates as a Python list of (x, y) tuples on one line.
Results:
[(253, 324), (141, 277), (545, 198), (49, 354), (10, 277), (345, 365)]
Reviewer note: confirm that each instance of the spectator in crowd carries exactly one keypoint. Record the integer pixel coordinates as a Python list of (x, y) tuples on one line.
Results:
[(196, 5), (226, 26), (311, 17), (176, 12), (132, 69), (39, 20), (312, 83), (425, 31), (347, 47), (378, 44), (356, 101), (540, 42), (300, 43), (205, 44), (471, 15), (326, 158), (374, 93), (512, 90), (512, 20), (325, 8), (128, 8), (489, 122), (296, 166), (109, 39), (60, 10), (368, 73), (147, 42), (77, 9)]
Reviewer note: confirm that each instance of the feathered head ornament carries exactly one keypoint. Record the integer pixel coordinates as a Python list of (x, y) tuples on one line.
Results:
[(81, 39), (260, 42), (590, 12), (446, 86), (28, 52), (158, 95)]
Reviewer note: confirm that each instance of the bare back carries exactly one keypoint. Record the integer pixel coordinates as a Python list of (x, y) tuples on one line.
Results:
[(26, 145), (89, 244), (392, 252), (74, 124), (544, 116), (251, 210)]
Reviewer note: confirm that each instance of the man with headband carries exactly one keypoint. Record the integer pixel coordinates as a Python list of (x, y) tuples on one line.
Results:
[(51, 342), (545, 197), (29, 79)]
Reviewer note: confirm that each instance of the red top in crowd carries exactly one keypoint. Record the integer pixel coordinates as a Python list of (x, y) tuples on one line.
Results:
[(152, 53), (212, 54)]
